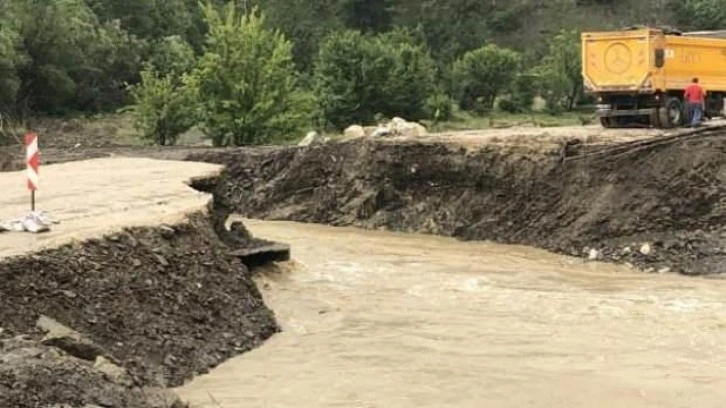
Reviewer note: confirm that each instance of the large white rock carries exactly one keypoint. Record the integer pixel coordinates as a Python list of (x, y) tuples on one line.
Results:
[(401, 127), (354, 132)]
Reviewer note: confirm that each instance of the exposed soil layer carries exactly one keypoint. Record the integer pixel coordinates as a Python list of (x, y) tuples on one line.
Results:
[(165, 302), (33, 375), (597, 202)]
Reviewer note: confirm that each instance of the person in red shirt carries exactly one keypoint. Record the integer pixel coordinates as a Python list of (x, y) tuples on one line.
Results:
[(695, 102)]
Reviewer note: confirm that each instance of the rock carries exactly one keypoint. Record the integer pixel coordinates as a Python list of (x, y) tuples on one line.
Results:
[(401, 127), (69, 294), (354, 132), (52, 328), (381, 131), (112, 372), (627, 250), (312, 138), (167, 232), (646, 249), (162, 261), (369, 130), (594, 255), (664, 270), (67, 339)]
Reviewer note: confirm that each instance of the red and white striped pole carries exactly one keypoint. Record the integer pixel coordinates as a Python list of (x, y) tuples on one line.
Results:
[(32, 156)]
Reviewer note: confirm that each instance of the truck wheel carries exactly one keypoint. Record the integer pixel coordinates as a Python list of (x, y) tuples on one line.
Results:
[(672, 113)]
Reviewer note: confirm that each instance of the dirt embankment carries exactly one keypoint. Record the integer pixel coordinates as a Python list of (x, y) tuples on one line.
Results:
[(164, 303), (658, 204)]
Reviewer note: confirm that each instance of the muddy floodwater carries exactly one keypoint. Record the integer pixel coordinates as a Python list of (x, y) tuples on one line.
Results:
[(377, 319)]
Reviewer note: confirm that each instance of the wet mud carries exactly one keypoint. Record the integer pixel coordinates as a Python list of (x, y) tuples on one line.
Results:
[(657, 204), (163, 303)]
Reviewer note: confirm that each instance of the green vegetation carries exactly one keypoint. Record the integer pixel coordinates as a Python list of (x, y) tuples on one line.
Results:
[(252, 71)]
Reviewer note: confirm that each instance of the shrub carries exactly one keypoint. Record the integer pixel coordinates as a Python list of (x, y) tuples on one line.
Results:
[(357, 76), (481, 75), (163, 107), (246, 82), (560, 74), (439, 107)]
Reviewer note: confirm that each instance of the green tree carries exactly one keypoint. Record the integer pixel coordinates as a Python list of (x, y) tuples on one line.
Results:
[(560, 74), (483, 74), (358, 76), (246, 81), (73, 61), (163, 107), (11, 56), (172, 55), (700, 14)]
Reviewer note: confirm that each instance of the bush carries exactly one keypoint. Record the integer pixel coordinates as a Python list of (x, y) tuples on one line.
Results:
[(357, 76), (439, 107), (559, 76), (172, 55), (163, 107), (481, 75), (246, 81), (521, 95)]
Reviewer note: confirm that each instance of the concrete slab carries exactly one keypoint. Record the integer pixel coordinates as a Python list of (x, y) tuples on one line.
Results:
[(95, 197)]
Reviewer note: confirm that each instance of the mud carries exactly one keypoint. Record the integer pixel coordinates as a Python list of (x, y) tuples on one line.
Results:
[(604, 203), (33, 375), (166, 302)]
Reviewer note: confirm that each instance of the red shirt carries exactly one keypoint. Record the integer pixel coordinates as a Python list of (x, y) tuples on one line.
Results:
[(694, 93)]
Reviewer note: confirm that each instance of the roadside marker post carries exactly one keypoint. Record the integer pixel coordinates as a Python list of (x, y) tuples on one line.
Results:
[(32, 156)]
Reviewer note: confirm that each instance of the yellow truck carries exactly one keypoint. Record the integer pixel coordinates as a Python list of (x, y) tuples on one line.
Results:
[(638, 75)]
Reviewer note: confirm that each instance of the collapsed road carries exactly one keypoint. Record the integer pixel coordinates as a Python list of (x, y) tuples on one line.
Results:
[(156, 289), (140, 290)]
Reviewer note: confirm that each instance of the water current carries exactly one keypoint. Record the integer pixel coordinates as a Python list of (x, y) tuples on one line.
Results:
[(379, 319)]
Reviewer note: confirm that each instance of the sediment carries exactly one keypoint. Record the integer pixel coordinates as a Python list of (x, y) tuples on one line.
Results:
[(164, 303), (657, 204)]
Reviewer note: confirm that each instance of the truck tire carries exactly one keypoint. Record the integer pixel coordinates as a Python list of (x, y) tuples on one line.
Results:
[(672, 113)]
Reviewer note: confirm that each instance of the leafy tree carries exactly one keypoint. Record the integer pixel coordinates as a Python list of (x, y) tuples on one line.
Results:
[(11, 56), (73, 61), (246, 81), (367, 15), (560, 74), (163, 107), (172, 55), (358, 76), (521, 95), (308, 22), (482, 75), (700, 14)]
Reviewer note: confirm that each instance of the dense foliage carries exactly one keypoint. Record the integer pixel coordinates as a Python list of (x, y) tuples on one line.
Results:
[(253, 67)]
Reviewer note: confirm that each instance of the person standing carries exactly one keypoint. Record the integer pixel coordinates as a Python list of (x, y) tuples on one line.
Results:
[(695, 102)]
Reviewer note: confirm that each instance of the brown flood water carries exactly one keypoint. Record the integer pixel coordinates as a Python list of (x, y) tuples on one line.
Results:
[(374, 319)]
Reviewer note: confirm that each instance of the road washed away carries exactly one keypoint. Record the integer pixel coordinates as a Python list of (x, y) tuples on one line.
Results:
[(374, 319)]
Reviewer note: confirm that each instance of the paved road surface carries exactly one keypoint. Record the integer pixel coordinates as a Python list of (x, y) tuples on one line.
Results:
[(96, 196)]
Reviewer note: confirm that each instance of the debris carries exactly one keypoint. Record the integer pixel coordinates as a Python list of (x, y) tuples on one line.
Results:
[(401, 127), (354, 132), (594, 255), (313, 138), (34, 222)]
